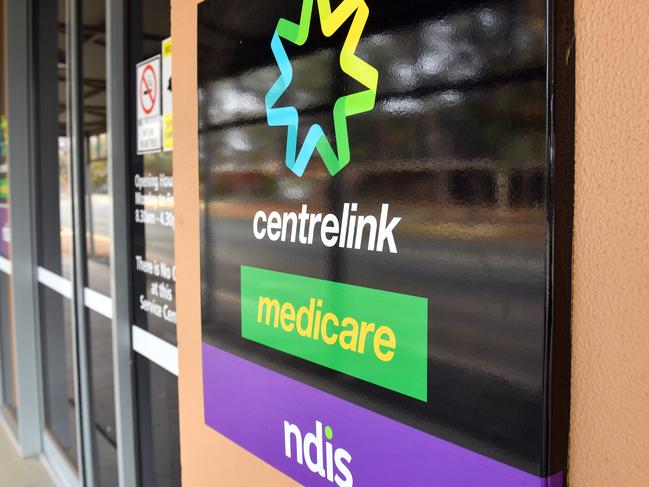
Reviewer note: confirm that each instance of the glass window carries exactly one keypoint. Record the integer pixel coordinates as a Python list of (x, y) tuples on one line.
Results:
[(97, 201), (6, 322), (157, 396), (55, 226), (6, 348), (97, 197), (59, 371), (103, 398), (54, 189)]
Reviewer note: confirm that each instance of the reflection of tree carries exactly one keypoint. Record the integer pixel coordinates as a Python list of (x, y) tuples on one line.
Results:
[(460, 106)]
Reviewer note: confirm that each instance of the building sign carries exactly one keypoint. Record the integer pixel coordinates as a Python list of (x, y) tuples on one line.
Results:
[(149, 131), (373, 239)]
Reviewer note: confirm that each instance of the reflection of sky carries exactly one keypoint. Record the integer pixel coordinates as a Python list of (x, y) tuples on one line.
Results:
[(243, 96), (228, 101), (490, 19), (402, 106), (238, 141)]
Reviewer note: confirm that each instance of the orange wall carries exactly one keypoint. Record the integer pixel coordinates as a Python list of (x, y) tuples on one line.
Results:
[(207, 458), (609, 437)]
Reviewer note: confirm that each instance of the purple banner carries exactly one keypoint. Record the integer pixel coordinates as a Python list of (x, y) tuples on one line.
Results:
[(321, 440)]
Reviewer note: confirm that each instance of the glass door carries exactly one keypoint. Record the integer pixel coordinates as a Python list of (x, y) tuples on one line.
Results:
[(95, 205), (74, 241), (89, 250), (59, 338), (7, 359)]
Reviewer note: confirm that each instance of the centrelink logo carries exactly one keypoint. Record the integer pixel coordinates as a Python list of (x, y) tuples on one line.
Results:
[(345, 106), (319, 454)]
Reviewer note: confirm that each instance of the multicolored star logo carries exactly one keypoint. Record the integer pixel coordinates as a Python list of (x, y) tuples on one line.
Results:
[(345, 106)]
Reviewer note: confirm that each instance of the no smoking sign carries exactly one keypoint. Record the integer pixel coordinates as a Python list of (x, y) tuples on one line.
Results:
[(148, 89), (149, 124)]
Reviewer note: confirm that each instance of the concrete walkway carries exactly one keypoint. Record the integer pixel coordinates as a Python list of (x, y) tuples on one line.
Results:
[(16, 472)]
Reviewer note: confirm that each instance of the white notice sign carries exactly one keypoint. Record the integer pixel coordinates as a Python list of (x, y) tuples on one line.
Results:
[(149, 125)]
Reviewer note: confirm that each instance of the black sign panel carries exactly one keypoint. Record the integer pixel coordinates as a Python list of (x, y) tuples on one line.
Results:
[(400, 152)]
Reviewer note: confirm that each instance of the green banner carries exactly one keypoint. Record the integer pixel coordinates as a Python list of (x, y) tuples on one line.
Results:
[(377, 336)]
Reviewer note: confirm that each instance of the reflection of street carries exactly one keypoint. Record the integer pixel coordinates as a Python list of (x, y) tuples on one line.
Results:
[(458, 272), (159, 240), (98, 231)]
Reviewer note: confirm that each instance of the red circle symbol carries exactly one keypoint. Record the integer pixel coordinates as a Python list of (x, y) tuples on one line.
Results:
[(148, 89)]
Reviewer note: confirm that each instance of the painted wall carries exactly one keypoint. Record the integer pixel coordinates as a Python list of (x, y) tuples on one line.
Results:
[(609, 437), (610, 396), (200, 445)]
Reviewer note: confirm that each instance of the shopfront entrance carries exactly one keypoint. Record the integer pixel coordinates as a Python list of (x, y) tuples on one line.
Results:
[(88, 379)]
